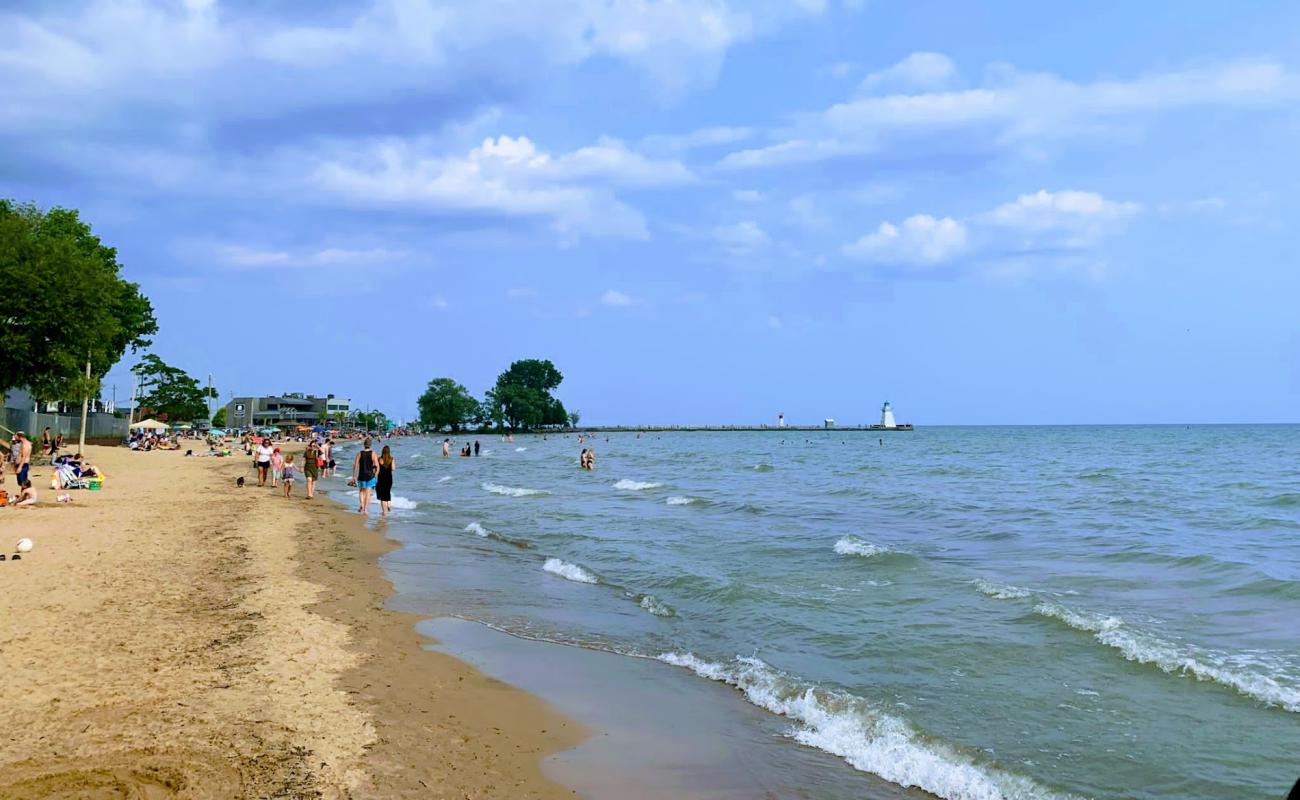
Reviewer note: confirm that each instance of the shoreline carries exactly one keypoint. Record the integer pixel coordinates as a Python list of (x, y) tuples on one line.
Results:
[(174, 636)]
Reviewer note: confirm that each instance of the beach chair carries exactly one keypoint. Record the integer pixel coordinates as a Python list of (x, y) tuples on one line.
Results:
[(69, 479)]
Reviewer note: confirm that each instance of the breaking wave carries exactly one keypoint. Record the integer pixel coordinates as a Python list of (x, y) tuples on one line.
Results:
[(512, 491), (1001, 591), (680, 501), (404, 503), (656, 606), (853, 546), (569, 571), (866, 737), (478, 530), (636, 486), (1236, 672)]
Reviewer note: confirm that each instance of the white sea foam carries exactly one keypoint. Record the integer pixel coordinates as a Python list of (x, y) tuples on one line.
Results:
[(1235, 672), (404, 503), (636, 486), (512, 491), (656, 606), (417, 455), (477, 530), (569, 571), (444, 479), (1001, 591), (853, 546), (520, 449), (866, 737), (680, 501)]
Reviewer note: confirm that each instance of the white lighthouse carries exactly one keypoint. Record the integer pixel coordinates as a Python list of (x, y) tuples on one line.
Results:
[(887, 416)]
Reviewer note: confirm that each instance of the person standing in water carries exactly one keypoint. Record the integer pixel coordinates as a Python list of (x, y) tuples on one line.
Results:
[(364, 471), (384, 486), (476, 447), (446, 448)]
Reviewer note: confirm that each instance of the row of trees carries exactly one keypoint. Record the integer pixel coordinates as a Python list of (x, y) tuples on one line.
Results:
[(521, 399), (66, 314)]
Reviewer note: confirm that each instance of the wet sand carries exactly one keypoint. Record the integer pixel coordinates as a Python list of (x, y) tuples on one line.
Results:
[(174, 636)]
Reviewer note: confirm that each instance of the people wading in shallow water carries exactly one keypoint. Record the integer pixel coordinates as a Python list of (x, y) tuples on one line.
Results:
[(365, 468), (588, 459), (446, 448), (384, 486)]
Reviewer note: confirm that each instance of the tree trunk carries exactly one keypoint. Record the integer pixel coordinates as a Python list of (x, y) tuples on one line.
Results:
[(85, 407)]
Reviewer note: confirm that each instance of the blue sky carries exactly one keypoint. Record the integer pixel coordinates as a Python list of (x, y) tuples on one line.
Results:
[(702, 211)]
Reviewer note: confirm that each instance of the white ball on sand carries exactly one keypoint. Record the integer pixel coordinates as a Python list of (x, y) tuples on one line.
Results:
[(24, 545)]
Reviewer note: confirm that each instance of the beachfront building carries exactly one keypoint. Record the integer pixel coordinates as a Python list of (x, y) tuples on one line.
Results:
[(22, 412), (285, 411)]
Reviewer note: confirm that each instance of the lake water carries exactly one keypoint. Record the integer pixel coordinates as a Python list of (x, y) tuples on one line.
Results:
[(1023, 612)]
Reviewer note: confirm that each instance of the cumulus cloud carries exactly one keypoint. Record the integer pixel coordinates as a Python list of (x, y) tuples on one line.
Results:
[(921, 240), (613, 297), (1065, 223), (742, 238), (503, 175), (917, 71), (1013, 108)]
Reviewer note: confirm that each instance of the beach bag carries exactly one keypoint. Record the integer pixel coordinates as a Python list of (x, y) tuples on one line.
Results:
[(4, 498)]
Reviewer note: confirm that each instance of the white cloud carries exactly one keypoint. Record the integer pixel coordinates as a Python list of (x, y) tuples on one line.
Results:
[(917, 71), (439, 303), (245, 257), (741, 238), (921, 240), (506, 175), (747, 196), (705, 137), (1047, 228), (1075, 218), (1014, 109), (613, 297)]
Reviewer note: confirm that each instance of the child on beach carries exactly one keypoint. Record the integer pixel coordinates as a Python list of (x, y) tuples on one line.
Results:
[(277, 465), (287, 474), (27, 495)]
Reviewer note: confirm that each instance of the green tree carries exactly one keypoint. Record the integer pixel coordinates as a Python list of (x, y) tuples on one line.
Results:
[(447, 404), (369, 420), (219, 418), (522, 397), (63, 303), (574, 419), (169, 392)]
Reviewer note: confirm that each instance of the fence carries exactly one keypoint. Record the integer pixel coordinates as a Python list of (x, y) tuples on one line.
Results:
[(98, 425)]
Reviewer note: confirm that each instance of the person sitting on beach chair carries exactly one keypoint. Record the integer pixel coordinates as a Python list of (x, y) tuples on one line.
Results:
[(69, 476)]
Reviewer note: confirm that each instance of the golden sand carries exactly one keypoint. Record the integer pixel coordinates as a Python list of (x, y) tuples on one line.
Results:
[(174, 636)]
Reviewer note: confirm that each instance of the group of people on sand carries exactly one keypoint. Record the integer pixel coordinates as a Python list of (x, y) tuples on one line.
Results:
[(19, 458), (280, 469), (375, 472)]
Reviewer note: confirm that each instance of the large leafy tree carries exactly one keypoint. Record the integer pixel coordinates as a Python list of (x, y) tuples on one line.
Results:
[(219, 418), (63, 303), (522, 397), (169, 393), (447, 404)]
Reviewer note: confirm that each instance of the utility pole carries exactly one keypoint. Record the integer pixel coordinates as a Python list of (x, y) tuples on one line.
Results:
[(85, 407), (209, 399)]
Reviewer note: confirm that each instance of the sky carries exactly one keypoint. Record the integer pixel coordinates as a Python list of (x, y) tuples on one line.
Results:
[(702, 211)]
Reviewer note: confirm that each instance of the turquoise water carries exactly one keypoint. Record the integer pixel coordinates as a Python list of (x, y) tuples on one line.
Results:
[(981, 613)]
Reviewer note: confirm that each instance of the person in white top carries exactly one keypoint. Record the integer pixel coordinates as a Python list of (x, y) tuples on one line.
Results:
[(263, 461)]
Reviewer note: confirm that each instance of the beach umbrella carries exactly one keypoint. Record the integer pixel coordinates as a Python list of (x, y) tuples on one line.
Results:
[(217, 432), (184, 426), (149, 425)]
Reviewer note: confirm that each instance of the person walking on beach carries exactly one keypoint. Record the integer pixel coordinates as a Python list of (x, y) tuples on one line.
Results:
[(263, 461), (277, 465), (22, 451), (287, 474), (384, 484), (311, 459), (364, 473)]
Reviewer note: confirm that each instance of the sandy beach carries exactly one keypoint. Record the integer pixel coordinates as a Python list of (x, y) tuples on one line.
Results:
[(174, 636)]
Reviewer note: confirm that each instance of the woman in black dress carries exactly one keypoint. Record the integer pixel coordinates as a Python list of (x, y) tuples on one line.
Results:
[(384, 488)]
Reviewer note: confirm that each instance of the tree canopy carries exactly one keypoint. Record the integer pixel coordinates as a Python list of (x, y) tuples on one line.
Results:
[(63, 302), (447, 404), (522, 396), (168, 392)]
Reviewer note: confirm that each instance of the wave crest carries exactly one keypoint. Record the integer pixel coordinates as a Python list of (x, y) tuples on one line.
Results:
[(1203, 665), (568, 571), (1000, 591), (867, 738), (853, 546), (680, 501), (636, 486), (512, 491), (656, 606)]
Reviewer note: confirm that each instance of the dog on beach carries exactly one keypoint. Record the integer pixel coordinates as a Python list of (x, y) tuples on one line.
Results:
[(239, 482)]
